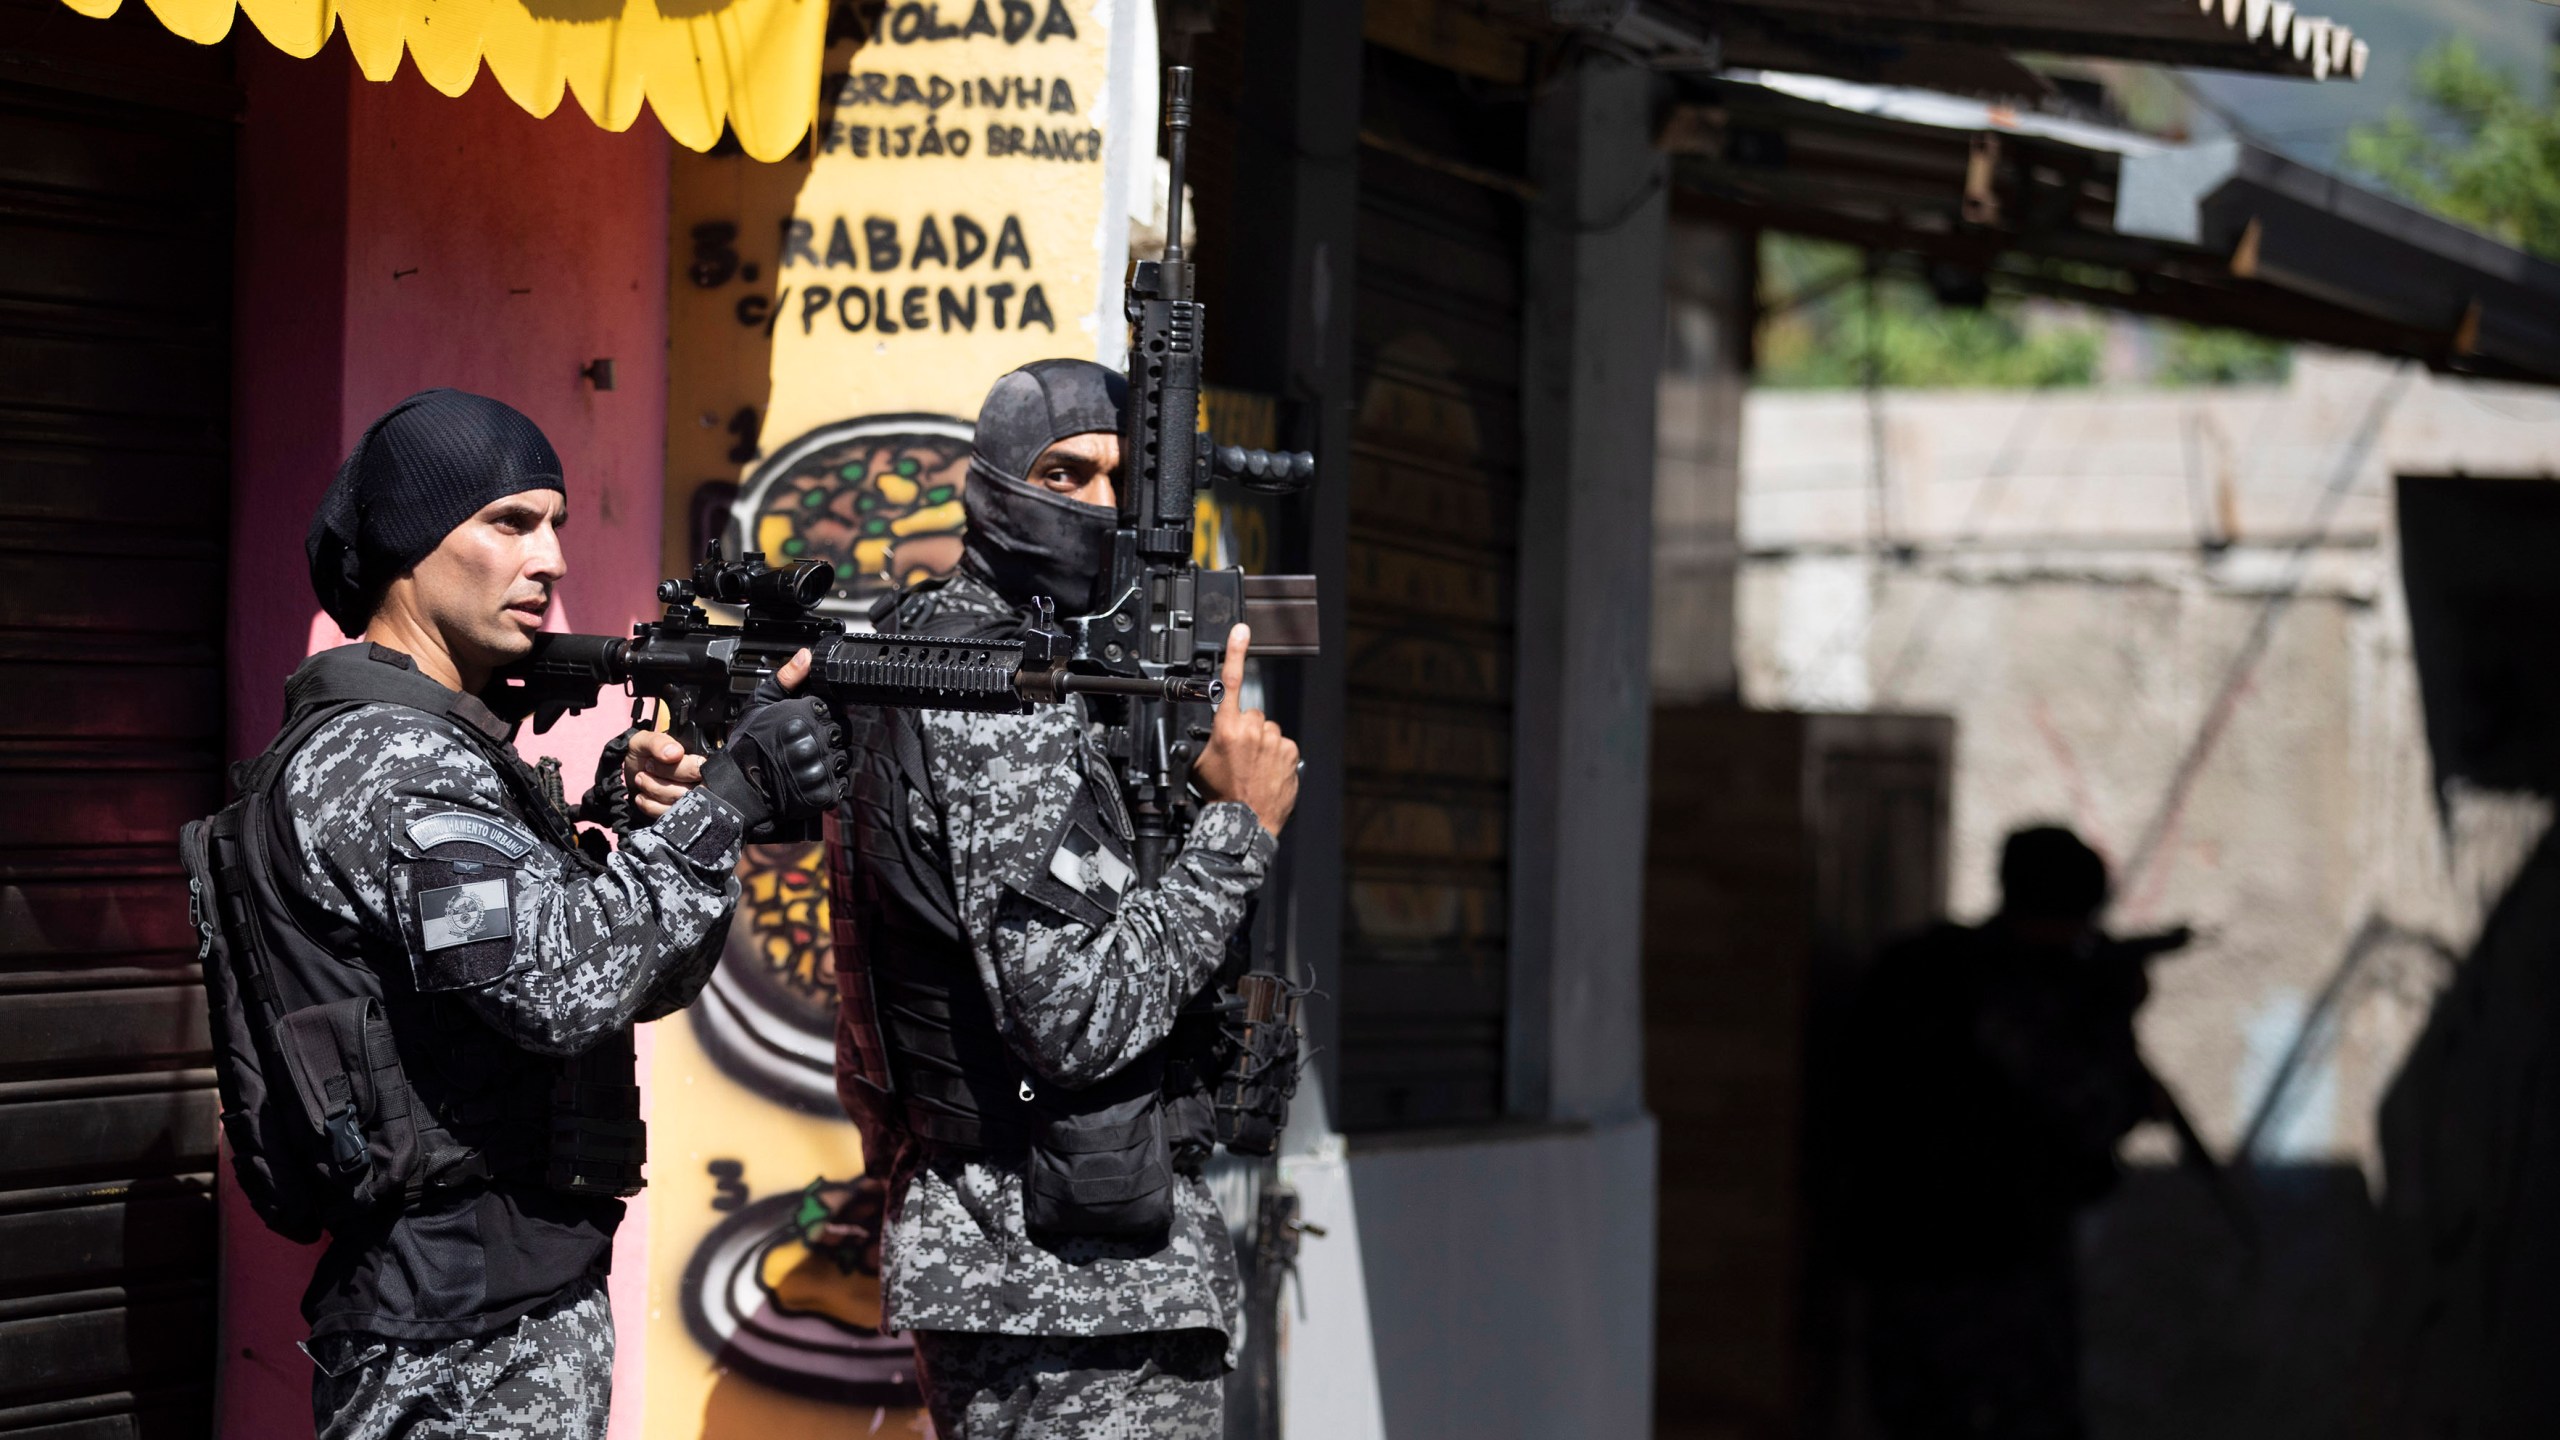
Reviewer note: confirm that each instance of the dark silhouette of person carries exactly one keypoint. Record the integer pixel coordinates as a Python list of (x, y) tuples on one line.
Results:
[(1993, 1070)]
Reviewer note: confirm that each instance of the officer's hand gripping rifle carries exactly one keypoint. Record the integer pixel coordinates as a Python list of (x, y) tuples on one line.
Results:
[(705, 671)]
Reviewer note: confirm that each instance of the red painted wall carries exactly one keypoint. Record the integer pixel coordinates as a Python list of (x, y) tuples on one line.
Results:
[(392, 239)]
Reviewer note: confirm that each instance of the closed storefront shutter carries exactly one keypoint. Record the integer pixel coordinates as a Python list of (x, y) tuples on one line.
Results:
[(1435, 504), (115, 196)]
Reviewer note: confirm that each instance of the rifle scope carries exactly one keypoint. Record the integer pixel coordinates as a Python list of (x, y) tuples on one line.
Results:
[(747, 582)]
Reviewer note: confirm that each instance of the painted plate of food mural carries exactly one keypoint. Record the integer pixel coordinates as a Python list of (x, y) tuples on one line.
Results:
[(877, 497), (787, 1290), (768, 1017)]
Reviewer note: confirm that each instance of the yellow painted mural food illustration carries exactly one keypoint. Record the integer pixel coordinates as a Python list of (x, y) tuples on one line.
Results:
[(834, 320)]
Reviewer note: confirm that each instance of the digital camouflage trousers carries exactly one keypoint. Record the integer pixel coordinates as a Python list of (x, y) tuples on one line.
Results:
[(1168, 1385), (549, 1374)]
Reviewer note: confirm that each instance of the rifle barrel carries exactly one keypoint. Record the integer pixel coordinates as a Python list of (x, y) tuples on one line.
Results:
[(1171, 687), (1177, 131)]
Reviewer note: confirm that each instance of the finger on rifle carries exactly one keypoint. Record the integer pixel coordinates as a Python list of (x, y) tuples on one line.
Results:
[(793, 671), (1231, 672), (657, 749), (651, 790)]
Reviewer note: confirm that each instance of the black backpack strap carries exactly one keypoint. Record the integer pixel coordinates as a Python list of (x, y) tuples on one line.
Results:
[(320, 705), (260, 770), (229, 851)]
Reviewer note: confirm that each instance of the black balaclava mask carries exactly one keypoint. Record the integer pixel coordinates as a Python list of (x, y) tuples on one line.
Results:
[(430, 463), (1024, 540)]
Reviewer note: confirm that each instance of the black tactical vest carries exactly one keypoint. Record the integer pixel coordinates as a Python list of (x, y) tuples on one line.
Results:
[(346, 1091), (926, 1059)]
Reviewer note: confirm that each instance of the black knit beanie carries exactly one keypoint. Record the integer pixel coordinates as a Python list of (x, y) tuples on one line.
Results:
[(430, 463)]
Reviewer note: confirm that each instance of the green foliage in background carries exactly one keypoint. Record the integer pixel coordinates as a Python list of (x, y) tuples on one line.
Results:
[(2194, 355), (2005, 343), (1826, 342), (2492, 160)]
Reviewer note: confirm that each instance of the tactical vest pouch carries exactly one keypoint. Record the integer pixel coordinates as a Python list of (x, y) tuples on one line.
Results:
[(366, 1138), (318, 1111), (598, 1140), (1105, 1169), (1254, 1091)]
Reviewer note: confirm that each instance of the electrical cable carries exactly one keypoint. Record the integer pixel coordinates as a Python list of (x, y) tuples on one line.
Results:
[(2155, 834)]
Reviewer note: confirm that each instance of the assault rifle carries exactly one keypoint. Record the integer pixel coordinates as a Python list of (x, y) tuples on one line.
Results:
[(1168, 618), (2127, 957), (703, 671)]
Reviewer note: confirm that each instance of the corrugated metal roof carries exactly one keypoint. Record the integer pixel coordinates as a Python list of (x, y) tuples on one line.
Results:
[(2221, 233), (1867, 39)]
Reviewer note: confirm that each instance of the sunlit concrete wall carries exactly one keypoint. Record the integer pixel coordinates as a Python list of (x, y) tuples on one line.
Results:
[(391, 239), (1707, 302)]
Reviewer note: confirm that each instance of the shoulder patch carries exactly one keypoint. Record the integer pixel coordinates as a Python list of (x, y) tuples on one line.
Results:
[(460, 914), (464, 914), (1084, 865), (447, 826), (1084, 876)]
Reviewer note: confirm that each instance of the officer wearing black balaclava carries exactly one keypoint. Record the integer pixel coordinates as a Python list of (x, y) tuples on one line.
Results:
[(422, 985), (1031, 537), (1009, 992)]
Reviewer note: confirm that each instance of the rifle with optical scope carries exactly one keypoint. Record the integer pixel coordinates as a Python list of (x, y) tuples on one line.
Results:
[(1151, 654), (704, 670)]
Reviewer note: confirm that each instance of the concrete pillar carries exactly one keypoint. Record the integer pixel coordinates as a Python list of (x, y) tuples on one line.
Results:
[(1594, 349), (1295, 230)]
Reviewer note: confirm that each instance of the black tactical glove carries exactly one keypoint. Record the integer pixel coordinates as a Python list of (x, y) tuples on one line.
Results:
[(784, 762), (608, 801)]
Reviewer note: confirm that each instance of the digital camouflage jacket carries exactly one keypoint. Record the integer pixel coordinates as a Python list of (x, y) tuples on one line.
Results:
[(395, 815), (1079, 993)]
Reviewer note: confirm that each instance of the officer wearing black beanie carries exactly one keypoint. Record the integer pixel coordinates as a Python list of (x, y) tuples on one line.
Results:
[(430, 463), (455, 976)]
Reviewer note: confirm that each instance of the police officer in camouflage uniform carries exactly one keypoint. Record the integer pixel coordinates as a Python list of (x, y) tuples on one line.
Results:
[(428, 873), (1013, 1002)]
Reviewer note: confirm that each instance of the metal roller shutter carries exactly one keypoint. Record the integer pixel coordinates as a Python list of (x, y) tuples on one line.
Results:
[(1435, 507), (115, 227)]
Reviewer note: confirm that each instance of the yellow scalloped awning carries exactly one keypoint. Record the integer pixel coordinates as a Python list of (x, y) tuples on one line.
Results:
[(752, 64)]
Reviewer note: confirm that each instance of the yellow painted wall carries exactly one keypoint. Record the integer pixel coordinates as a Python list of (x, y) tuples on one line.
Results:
[(876, 281)]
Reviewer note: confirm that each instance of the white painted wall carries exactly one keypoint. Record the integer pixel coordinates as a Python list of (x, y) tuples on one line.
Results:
[(1328, 1359)]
